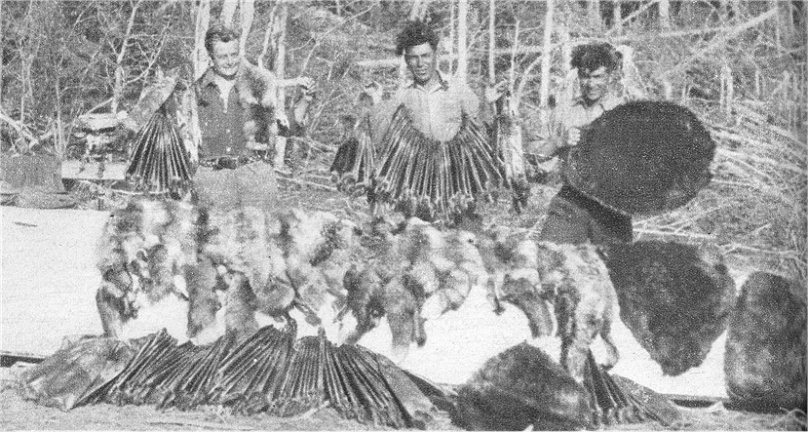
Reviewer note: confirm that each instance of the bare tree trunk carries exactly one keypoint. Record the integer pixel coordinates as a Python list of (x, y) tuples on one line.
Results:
[(617, 16), (280, 72), (492, 43), (200, 55), (462, 44), (664, 14), (120, 74), (228, 12), (546, 56), (451, 44), (268, 36), (247, 12), (593, 12), (2, 60), (418, 10)]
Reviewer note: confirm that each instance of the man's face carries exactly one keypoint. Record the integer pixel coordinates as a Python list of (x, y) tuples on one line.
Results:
[(594, 85), (225, 58), (421, 62)]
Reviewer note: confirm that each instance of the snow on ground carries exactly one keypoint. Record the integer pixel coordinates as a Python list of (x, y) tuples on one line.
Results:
[(48, 281)]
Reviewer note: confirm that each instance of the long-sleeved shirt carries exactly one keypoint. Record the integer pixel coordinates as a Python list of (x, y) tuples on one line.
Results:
[(566, 121), (435, 110)]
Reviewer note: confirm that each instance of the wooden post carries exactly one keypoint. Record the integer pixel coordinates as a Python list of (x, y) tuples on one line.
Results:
[(462, 44)]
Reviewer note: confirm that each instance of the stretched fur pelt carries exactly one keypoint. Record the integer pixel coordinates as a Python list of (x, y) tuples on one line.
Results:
[(765, 362), (642, 158), (674, 298)]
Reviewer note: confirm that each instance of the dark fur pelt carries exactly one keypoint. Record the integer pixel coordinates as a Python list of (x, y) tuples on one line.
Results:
[(642, 158), (523, 387), (765, 364), (68, 377), (674, 298)]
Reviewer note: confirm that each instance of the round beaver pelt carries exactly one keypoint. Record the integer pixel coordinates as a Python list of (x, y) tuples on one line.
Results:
[(764, 362), (675, 299), (522, 387), (642, 158)]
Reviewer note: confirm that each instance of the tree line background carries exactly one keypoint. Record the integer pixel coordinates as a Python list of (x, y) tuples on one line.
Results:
[(739, 65)]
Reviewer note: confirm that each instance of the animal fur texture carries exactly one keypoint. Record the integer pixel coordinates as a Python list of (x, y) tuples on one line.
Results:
[(519, 388), (642, 157), (141, 249), (765, 364), (250, 261), (585, 301), (674, 298)]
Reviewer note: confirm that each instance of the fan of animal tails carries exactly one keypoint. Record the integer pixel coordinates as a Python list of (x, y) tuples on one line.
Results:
[(352, 168), (270, 372), (159, 161), (642, 158), (432, 179)]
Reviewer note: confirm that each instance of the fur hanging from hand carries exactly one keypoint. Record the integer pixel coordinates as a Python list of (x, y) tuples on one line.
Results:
[(642, 158), (674, 298)]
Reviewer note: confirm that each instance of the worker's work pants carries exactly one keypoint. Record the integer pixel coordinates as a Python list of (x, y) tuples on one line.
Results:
[(575, 218)]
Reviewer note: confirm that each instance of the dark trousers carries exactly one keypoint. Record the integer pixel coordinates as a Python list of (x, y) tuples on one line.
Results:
[(575, 218)]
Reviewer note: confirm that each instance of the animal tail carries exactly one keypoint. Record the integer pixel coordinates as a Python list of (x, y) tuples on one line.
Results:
[(617, 400)]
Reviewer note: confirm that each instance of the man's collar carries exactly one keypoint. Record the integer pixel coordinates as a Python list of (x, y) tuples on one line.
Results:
[(441, 83), (209, 77)]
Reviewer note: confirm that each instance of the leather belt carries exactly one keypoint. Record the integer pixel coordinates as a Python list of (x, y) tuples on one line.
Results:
[(228, 162)]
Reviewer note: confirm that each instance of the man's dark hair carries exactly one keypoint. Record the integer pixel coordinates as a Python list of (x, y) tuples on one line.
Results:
[(219, 33), (416, 33), (587, 58)]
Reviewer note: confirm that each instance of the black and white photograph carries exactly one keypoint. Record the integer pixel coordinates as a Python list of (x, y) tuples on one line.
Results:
[(403, 214)]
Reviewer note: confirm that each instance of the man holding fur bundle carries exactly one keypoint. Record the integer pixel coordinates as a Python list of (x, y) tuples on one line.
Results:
[(573, 217), (434, 156), (236, 108)]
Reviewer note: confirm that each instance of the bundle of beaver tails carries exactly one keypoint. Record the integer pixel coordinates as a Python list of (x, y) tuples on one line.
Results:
[(352, 168), (431, 179), (642, 158), (159, 162)]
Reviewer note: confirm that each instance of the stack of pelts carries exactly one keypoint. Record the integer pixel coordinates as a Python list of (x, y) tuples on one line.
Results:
[(271, 372), (430, 179), (642, 158), (159, 162), (352, 169)]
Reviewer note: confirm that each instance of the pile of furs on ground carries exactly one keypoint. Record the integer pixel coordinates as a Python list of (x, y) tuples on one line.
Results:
[(270, 372), (249, 261), (246, 261)]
